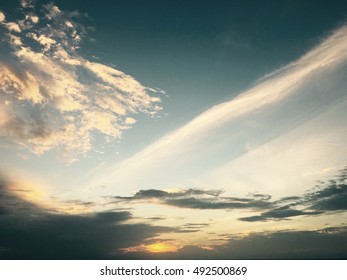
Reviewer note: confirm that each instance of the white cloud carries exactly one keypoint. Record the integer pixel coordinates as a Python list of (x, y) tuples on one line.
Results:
[(291, 163), (130, 120), (2, 16), (58, 98), (34, 19), (43, 40), (177, 151), (12, 26)]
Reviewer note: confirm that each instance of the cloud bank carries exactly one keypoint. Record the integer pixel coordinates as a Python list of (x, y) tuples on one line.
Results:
[(51, 96), (29, 231), (197, 199), (320, 244), (326, 197)]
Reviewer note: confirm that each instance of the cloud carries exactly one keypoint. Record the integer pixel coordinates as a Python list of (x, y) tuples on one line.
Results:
[(12, 26), (326, 243), (31, 232), (282, 101), (280, 213), (27, 3), (2, 17), (55, 97), (329, 196), (112, 235), (196, 199)]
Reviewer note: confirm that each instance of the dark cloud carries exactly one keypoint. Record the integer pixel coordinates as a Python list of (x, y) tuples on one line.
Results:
[(326, 197), (279, 214), (198, 199), (80, 203), (29, 232), (327, 243), (329, 196)]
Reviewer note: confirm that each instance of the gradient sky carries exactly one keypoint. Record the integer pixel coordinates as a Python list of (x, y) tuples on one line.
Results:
[(167, 129)]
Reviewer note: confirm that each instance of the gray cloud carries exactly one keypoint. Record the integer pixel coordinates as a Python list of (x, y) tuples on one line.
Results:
[(325, 197), (279, 213), (197, 199), (326, 243), (29, 232)]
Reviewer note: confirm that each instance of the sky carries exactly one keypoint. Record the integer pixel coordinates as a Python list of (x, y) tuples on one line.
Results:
[(173, 130)]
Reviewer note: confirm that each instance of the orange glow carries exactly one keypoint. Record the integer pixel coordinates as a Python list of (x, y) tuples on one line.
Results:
[(160, 248), (35, 192)]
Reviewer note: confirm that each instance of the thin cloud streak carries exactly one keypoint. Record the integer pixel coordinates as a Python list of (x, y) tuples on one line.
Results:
[(279, 85)]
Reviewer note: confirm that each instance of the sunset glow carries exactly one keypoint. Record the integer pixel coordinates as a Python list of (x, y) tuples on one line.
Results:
[(173, 130)]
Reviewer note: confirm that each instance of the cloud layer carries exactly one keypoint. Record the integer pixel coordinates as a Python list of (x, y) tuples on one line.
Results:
[(197, 199), (51, 96), (325, 243), (327, 197), (31, 232)]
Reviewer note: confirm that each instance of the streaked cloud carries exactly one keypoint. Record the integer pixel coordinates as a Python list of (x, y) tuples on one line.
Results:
[(203, 141), (280, 213), (55, 97), (325, 198), (197, 199)]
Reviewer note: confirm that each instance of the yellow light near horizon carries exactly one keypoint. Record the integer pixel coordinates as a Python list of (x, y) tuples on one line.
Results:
[(160, 248)]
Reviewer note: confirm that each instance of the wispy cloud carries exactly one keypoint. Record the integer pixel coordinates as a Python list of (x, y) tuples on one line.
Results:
[(52, 96), (199, 139)]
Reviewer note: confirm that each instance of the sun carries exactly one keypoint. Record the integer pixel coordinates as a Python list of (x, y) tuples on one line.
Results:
[(160, 248)]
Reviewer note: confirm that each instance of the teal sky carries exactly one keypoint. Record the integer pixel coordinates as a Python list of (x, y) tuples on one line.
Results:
[(175, 119)]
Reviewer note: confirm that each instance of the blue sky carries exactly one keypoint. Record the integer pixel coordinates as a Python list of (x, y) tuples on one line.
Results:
[(199, 123)]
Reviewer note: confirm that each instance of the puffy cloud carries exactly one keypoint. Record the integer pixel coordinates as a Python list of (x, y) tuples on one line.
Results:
[(2, 17), (58, 98), (12, 26), (34, 19)]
